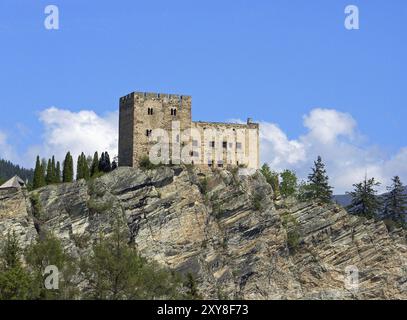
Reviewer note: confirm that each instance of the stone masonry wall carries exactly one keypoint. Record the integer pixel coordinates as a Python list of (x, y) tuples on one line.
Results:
[(142, 113)]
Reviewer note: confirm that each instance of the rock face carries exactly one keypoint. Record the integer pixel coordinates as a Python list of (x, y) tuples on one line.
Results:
[(224, 229)]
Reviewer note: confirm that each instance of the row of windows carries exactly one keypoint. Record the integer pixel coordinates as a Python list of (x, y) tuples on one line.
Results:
[(150, 111), (224, 144), (195, 142)]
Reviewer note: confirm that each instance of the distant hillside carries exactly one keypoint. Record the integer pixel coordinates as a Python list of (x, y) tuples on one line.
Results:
[(342, 199), (9, 170), (345, 199)]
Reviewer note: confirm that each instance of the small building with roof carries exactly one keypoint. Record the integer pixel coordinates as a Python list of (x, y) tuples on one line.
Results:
[(14, 183)]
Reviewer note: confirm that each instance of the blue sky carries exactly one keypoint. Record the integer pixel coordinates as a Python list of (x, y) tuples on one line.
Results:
[(274, 61)]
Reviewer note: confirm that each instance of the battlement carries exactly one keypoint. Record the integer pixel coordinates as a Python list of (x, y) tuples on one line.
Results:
[(153, 96)]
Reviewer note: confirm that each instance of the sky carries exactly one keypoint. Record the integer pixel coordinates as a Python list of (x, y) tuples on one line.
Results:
[(316, 87)]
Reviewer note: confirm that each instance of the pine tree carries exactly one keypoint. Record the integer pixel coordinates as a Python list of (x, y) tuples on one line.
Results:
[(67, 173), (94, 170), (108, 165), (364, 198), (395, 201), (318, 187), (15, 281), (39, 179)]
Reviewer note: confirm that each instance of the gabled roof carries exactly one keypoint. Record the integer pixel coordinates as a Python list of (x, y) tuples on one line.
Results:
[(14, 182)]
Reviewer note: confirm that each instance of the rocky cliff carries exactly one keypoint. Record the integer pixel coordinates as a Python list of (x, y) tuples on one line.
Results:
[(225, 229)]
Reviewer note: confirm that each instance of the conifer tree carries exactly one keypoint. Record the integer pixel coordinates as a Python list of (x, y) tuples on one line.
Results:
[(79, 168), (49, 177), (395, 201), (318, 187), (67, 173), (108, 164), (82, 169), (114, 165), (94, 170), (15, 281), (58, 173), (53, 177), (101, 162), (85, 167), (39, 179), (364, 198)]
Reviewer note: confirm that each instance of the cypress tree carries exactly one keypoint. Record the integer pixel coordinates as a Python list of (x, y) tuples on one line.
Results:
[(364, 198), (94, 170), (85, 167), (67, 172), (318, 187), (82, 169), (49, 178), (58, 173), (79, 168), (108, 165), (53, 176), (395, 201), (102, 162), (39, 179)]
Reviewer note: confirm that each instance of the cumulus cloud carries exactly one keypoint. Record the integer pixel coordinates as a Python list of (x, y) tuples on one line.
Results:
[(6, 150), (77, 132), (333, 135)]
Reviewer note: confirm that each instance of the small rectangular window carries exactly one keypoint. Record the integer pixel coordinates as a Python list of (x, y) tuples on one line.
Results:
[(225, 144), (238, 145), (212, 144), (194, 143)]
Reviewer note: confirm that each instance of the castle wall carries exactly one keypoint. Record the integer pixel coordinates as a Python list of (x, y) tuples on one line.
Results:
[(219, 144), (204, 143), (150, 111)]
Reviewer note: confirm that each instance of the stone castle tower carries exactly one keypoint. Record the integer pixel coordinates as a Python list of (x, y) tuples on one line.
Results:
[(211, 144)]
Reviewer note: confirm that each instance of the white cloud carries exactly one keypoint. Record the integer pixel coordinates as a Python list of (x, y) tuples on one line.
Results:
[(6, 150), (333, 135), (325, 125), (77, 132), (277, 149)]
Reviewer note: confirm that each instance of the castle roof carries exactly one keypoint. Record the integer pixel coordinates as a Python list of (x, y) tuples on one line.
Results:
[(15, 182)]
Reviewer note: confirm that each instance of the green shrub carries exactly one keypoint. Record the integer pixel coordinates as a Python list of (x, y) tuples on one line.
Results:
[(203, 185)]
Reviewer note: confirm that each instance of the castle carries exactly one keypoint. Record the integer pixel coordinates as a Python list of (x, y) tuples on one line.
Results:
[(148, 118)]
